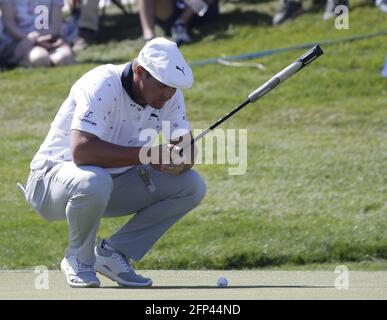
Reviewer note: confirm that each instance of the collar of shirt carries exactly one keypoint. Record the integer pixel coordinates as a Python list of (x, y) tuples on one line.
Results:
[(127, 80)]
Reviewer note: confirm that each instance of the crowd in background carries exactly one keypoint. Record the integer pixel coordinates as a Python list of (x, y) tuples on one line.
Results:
[(22, 44)]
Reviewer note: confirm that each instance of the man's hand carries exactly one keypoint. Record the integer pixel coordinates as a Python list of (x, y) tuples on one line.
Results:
[(168, 158), (33, 36), (49, 42)]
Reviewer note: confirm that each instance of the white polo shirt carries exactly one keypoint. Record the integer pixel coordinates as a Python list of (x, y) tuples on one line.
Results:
[(99, 104)]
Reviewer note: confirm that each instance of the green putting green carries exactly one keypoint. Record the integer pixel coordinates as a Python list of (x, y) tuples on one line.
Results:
[(195, 285)]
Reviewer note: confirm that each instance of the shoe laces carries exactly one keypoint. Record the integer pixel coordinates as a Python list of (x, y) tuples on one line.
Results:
[(123, 260), (117, 255), (79, 266)]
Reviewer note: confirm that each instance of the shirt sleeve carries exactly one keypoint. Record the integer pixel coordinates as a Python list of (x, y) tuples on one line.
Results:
[(175, 122), (95, 102)]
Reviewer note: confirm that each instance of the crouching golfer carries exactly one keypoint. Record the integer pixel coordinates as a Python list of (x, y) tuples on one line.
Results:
[(91, 164)]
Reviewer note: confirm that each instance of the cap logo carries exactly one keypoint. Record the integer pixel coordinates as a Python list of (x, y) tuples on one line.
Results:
[(180, 69)]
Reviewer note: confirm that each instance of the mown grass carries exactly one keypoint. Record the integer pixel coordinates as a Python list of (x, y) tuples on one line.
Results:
[(315, 190)]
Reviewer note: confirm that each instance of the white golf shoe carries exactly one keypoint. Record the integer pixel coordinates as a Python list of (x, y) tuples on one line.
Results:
[(78, 274), (115, 265)]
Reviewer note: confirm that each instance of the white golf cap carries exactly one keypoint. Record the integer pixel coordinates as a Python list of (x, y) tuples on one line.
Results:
[(164, 61)]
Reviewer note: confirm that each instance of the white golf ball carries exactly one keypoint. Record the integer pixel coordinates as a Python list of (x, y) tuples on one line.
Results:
[(222, 282)]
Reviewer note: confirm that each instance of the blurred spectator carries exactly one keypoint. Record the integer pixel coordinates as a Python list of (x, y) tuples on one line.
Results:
[(382, 4), (24, 44), (149, 10), (384, 69), (2, 44), (175, 17), (290, 9), (86, 14)]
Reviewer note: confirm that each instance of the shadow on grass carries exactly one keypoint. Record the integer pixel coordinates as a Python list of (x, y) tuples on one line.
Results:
[(117, 27), (120, 27), (221, 26)]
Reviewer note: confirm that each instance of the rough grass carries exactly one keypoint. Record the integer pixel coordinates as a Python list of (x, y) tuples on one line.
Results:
[(315, 188)]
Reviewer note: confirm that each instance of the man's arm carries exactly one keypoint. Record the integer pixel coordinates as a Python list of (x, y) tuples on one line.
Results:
[(10, 25), (88, 149)]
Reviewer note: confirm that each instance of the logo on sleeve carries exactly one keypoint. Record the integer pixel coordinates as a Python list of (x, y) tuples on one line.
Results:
[(89, 114), (86, 118)]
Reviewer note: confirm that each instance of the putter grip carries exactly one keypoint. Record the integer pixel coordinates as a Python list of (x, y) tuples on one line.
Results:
[(286, 73), (309, 56)]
